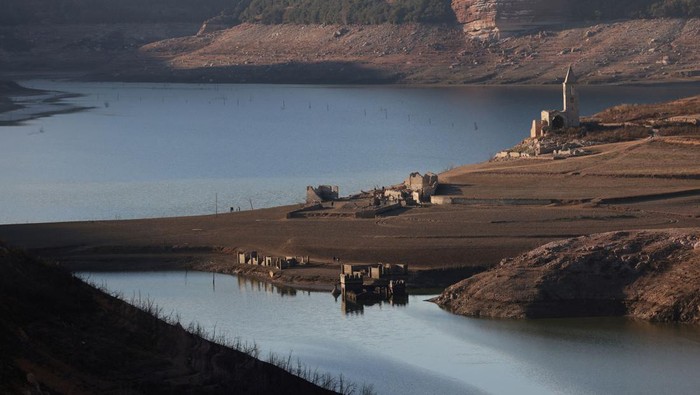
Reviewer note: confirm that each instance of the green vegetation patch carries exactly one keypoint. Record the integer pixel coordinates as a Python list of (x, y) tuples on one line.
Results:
[(363, 12), (623, 9), (14, 12)]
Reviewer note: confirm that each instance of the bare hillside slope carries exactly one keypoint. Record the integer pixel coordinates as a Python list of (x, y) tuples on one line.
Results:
[(651, 275), (660, 50), (58, 335), (641, 50)]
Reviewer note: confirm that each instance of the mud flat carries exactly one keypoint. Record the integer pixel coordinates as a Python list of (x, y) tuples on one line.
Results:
[(19, 104)]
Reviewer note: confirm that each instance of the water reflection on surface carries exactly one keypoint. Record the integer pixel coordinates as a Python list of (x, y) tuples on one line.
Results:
[(350, 307), (416, 348), (251, 283)]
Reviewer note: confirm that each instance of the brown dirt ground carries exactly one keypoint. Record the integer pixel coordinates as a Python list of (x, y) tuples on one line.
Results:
[(640, 51), (650, 275), (434, 237)]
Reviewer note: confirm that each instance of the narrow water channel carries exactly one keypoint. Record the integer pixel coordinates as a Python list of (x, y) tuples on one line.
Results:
[(416, 348)]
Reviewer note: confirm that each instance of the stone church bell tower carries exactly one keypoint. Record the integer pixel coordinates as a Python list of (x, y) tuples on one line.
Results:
[(571, 99), (568, 117)]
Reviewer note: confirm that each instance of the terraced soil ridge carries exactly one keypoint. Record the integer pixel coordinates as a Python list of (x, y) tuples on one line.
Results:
[(649, 275)]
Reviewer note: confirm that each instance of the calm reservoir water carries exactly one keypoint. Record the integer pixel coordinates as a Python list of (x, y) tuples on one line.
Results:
[(150, 150), (419, 349)]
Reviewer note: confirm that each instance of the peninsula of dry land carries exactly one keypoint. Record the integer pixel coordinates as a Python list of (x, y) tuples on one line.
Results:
[(509, 207), (650, 275), (19, 104)]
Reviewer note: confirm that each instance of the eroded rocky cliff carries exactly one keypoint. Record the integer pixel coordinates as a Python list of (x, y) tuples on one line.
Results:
[(650, 275), (506, 17)]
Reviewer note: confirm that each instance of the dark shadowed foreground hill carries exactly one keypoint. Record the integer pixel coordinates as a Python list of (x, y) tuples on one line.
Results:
[(651, 275), (61, 336)]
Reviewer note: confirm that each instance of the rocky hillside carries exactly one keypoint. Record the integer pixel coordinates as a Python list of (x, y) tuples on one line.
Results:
[(650, 275), (507, 17), (58, 335), (652, 114), (525, 12), (31, 12), (489, 18), (644, 51), (362, 41)]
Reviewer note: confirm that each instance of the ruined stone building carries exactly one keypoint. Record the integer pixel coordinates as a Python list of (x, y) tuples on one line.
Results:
[(560, 119), (385, 270), (422, 187), (376, 271), (323, 193), (256, 259), (372, 283)]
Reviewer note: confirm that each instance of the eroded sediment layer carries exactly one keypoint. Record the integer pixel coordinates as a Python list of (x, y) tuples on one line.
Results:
[(651, 275), (505, 17)]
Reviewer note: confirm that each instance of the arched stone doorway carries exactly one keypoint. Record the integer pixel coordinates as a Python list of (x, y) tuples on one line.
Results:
[(557, 122)]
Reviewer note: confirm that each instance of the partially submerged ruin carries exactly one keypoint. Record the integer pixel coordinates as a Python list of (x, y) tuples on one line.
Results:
[(368, 284), (256, 259)]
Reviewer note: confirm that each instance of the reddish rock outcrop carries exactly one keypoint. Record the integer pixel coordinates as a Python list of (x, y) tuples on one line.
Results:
[(501, 18), (650, 275)]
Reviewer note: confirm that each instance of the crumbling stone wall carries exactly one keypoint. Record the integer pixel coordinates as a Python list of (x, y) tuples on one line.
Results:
[(323, 193), (422, 186)]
